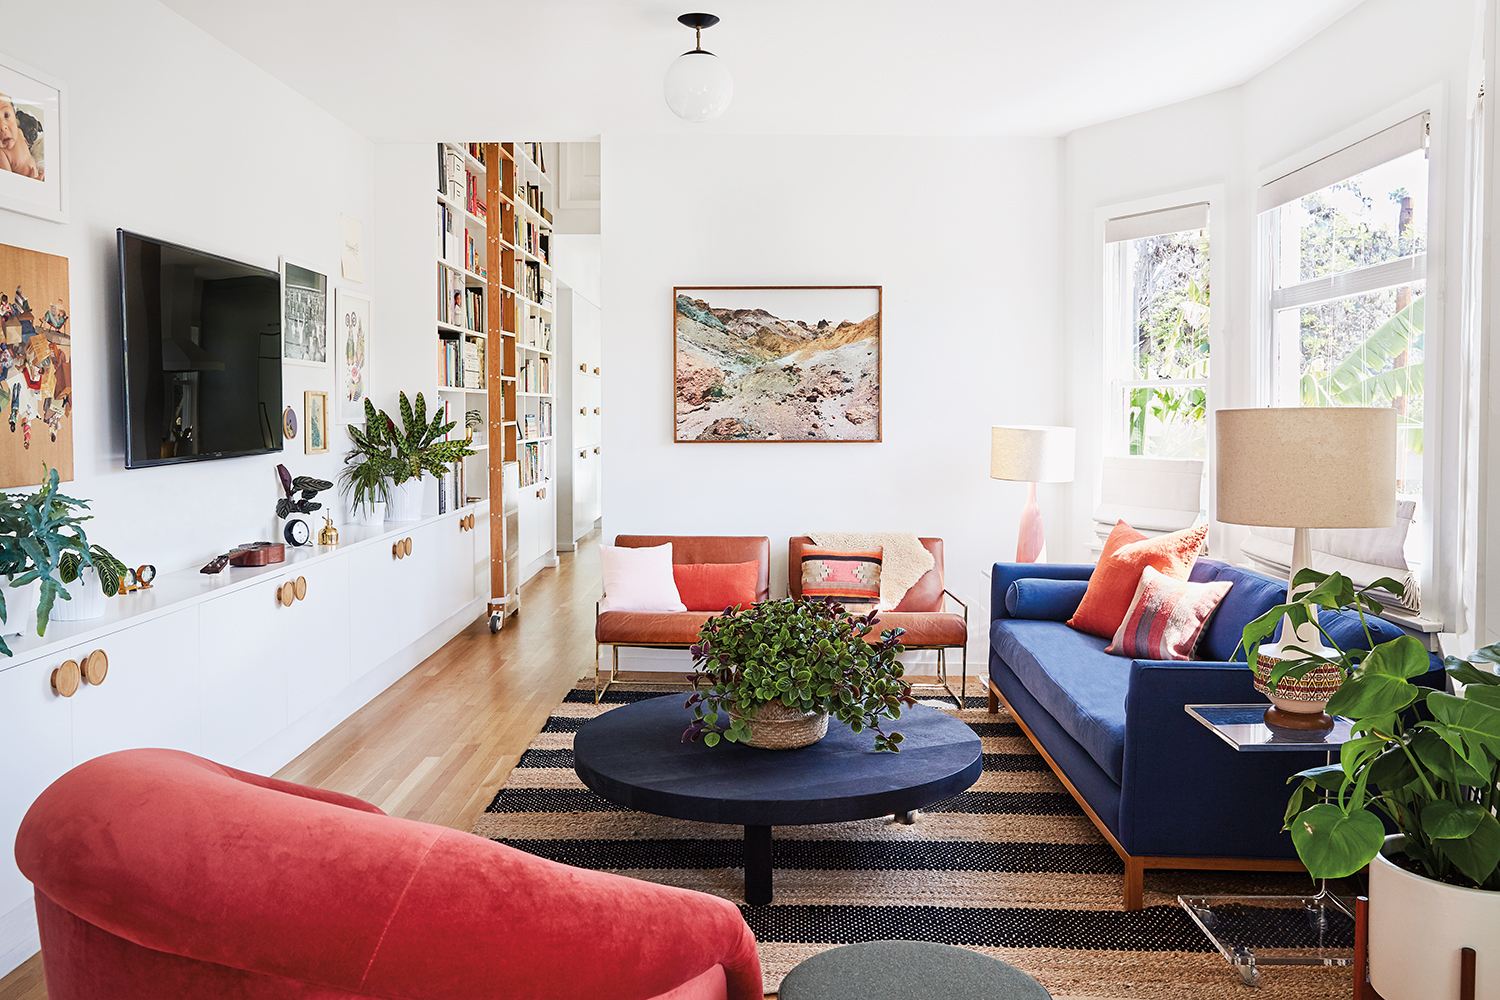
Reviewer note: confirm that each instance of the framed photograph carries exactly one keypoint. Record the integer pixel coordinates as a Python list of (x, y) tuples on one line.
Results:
[(33, 142), (36, 367), (304, 315), (315, 417), (776, 363), (352, 350)]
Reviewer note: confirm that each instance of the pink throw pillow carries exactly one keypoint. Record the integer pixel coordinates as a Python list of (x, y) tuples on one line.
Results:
[(639, 579), (1166, 617)]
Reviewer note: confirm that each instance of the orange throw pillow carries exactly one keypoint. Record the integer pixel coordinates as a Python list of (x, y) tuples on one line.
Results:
[(716, 586), (1126, 555)]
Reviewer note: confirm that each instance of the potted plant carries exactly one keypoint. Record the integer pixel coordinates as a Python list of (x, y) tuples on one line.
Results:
[(1429, 762), (96, 581), (386, 464), (1300, 672), (777, 670), (37, 532)]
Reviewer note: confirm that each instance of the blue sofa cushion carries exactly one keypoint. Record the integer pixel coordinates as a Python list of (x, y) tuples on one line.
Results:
[(1252, 595), (1045, 600), (1344, 629), (1080, 685)]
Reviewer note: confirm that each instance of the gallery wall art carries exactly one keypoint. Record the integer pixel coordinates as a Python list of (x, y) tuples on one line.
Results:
[(304, 315), (762, 363), (315, 412), (32, 142), (352, 327), (36, 367)]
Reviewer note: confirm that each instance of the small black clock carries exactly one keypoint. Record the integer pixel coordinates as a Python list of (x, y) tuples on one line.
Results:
[(297, 531)]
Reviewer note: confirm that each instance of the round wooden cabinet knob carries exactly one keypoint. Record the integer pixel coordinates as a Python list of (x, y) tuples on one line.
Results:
[(406, 545), (66, 678), (583, 368), (596, 451), (596, 371), (398, 551), (583, 410), (96, 667), (287, 594), (300, 587), (596, 410)]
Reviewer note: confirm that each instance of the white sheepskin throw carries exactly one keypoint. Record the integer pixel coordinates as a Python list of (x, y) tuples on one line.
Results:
[(903, 560)]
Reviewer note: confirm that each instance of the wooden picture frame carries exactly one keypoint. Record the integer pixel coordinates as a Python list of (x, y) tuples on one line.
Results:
[(315, 422), (34, 180), (305, 301), (777, 363)]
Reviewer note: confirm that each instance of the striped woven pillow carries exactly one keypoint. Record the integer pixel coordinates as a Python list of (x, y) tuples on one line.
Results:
[(851, 578), (1166, 617)]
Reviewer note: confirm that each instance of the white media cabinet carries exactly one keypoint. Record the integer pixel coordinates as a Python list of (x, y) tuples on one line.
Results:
[(220, 667)]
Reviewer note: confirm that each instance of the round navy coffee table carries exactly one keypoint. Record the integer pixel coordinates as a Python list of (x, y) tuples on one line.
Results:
[(634, 756)]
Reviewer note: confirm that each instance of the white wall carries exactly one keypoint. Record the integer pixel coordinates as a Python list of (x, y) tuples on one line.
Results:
[(1383, 56), (961, 234), (175, 136)]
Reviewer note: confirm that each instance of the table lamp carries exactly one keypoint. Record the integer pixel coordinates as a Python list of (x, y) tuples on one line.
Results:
[(1032, 455), (1304, 468)]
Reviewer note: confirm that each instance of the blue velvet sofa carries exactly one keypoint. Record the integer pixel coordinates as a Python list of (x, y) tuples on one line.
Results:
[(1163, 789)]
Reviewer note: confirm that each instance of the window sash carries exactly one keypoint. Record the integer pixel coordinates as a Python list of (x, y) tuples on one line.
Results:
[(1387, 274)]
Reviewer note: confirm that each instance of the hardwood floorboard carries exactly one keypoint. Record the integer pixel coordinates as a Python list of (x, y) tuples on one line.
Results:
[(437, 745)]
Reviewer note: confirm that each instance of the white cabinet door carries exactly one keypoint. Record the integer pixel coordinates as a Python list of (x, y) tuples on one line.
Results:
[(150, 695), (376, 607), (530, 511), (454, 586), (481, 538), (312, 634), (244, 670), (36, 745)]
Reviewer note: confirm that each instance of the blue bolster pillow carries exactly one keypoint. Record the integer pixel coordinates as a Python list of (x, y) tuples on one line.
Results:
[(1044, 600)]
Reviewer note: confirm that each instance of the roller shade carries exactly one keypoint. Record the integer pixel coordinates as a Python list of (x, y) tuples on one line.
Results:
[(1382, 147), (1181, 219)]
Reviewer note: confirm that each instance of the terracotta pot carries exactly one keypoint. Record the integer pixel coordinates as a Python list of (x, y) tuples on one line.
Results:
[(1306, 696), (776, 727), (1418, 926)]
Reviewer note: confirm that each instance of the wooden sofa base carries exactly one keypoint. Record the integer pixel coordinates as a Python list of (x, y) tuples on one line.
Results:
[(1135, 867)]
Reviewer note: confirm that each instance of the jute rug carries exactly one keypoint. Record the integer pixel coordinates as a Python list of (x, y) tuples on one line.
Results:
[(1011, 868)]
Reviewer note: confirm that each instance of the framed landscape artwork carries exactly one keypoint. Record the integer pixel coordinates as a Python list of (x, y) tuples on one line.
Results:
[(32, 141), (36, 368), (762, 363), (304, 315)]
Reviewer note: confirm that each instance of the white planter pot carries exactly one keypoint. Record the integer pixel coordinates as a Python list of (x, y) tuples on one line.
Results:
[(1419, 926), (405, 502), (87, 599), (20, 608), (371, 515)]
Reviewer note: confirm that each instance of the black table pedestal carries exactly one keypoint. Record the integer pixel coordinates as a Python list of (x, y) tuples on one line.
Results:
[(758, 865)]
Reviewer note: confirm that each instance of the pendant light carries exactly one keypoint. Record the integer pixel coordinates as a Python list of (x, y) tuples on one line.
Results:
[(698, 86)]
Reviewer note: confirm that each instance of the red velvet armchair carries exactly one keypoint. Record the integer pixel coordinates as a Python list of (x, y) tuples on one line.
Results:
[(159, 874)]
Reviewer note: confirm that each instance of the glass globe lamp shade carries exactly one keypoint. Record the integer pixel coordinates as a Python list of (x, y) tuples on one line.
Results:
[(698, 86)]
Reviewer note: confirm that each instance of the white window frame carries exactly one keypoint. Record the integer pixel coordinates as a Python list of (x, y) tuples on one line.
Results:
[(1437, 531), (1222, 301)]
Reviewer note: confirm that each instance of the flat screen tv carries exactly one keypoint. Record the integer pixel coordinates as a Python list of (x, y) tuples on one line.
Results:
[(202, 352)]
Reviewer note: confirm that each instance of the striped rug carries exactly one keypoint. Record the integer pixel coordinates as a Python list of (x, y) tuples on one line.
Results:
[(1011, 868)]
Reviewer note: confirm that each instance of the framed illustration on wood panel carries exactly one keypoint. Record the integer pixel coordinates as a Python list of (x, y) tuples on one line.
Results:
[(352, 352), (799, 363), (36, 367), (32, 142), (315, 415), (304, 315)]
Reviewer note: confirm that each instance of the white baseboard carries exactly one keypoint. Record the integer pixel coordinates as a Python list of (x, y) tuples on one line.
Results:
[(18, 937)]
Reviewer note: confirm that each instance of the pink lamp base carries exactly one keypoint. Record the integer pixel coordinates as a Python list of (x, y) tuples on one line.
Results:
[(1031, 544)]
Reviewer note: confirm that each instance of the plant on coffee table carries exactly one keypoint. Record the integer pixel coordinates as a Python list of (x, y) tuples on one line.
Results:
[(809, 655)]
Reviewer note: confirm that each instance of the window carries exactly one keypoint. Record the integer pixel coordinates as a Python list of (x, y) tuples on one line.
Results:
[(1158, 332), (1348, 258)]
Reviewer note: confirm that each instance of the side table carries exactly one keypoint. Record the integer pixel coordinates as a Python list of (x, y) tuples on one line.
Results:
[(1253, 931)]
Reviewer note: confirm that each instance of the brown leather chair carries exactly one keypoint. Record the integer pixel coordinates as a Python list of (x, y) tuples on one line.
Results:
[(673, 629), (922, 612)]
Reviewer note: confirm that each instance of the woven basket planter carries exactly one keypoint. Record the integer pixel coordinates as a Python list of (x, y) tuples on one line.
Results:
[(776, 727), (1306, 696)]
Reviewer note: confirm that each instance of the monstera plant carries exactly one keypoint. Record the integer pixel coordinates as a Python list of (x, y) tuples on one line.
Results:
[(42, 542)]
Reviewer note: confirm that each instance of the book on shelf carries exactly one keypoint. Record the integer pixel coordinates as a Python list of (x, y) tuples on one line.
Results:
[(529, 426), (473, 365)]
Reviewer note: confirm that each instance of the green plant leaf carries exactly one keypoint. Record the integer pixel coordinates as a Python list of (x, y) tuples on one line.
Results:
[(1476, 723), (1445, 820), (1466, 672), (1333, 845), (1477, 854), (1364, 695)]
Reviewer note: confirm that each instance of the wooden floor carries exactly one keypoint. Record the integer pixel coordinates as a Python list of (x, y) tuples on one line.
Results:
[(440, 741)]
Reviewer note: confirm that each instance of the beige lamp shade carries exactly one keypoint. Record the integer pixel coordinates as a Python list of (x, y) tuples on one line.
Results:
[(1307, 467), (1032, 454)]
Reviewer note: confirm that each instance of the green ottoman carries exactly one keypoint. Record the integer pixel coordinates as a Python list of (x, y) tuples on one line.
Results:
[(901, 970)]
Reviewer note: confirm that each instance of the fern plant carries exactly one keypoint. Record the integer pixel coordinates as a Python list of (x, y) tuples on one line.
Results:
[(37, 533)]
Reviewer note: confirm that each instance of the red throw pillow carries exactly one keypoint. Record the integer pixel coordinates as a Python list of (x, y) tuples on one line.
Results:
[(1166, 617), (716, 586), (1126, 554)]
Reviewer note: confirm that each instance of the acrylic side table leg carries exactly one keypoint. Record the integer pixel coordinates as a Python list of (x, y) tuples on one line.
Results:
[(758, 865)]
